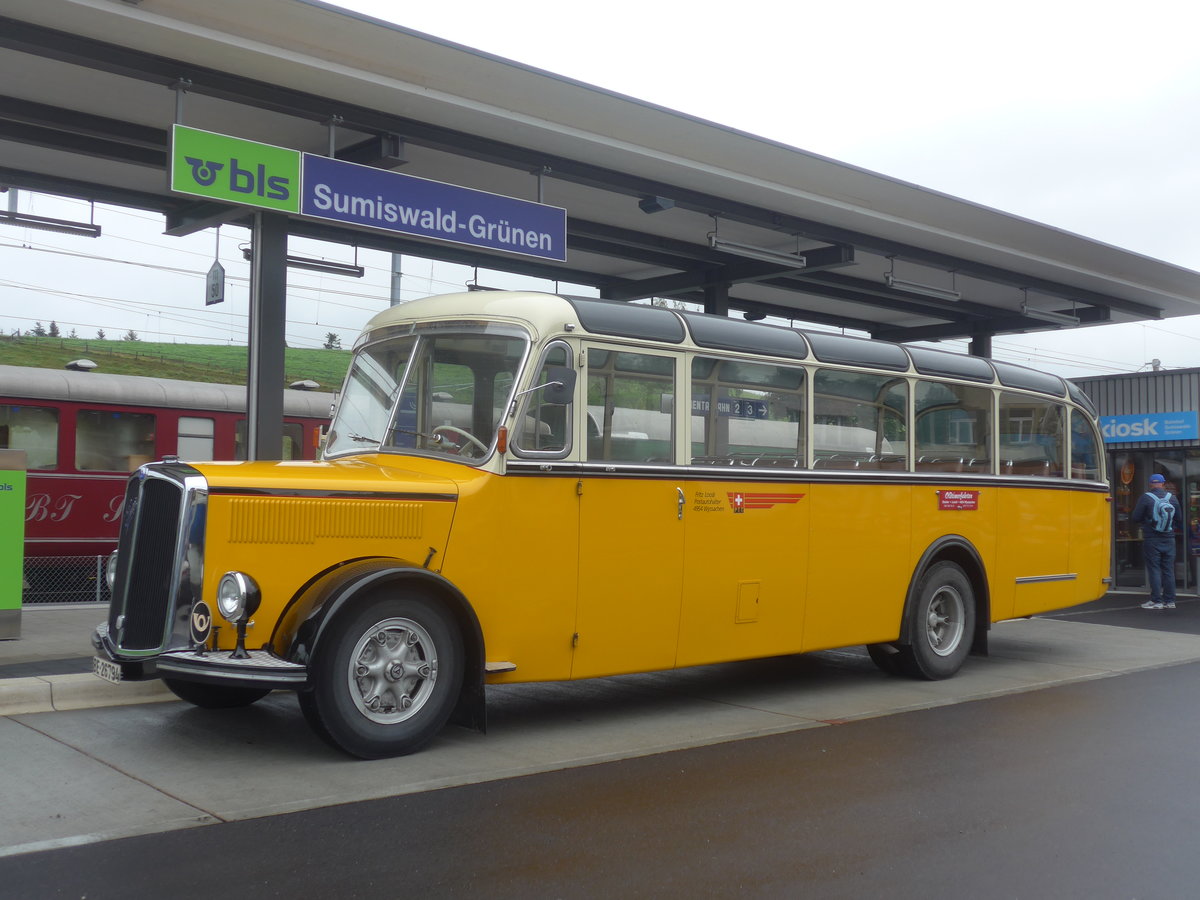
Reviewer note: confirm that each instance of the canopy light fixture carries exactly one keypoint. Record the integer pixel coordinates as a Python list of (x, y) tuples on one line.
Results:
[(915, 287), (43, 223), (1049, 315), (353, 270), (749, 251)]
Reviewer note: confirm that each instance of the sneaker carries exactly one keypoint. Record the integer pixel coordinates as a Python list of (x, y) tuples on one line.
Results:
[(1170, 604), (1152, 604)]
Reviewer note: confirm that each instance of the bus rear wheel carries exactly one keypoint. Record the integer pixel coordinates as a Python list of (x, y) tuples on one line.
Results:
[(941, 624), (386, 677)]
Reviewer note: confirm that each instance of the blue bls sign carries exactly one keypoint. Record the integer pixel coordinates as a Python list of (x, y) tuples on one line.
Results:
[(1170, 426), (361, 195)]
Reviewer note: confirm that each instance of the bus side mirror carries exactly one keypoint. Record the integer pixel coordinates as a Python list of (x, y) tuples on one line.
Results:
[(560, 386)]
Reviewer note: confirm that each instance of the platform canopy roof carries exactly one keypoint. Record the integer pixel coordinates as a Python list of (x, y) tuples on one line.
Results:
[(90, 88)]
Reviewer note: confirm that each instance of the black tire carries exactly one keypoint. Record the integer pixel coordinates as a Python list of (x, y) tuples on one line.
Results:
[(941, 623), (214, 696), (888, 658), (386, 676)]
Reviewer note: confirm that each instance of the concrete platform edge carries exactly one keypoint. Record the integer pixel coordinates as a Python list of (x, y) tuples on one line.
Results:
[(57, 693)]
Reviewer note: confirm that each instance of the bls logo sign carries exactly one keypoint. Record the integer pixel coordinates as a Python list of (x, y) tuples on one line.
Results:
[(234, 170), (241, 181)]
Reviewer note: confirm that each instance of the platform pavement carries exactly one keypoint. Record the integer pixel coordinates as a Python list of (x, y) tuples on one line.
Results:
[(49, 667)]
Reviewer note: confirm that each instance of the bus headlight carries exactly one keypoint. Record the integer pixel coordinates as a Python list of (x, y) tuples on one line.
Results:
[(110, 570), (237, 597)]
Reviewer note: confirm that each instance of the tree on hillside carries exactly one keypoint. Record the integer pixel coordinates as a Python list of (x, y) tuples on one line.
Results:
[(332, 341), (130, 335), (72, 334), (54, 332), (39, 329), (100, 334)]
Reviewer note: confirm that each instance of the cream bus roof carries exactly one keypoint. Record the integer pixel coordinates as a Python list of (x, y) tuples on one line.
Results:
[(546, 314)]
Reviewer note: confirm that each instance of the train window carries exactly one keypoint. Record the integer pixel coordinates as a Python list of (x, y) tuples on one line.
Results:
[(33, 429), (293, 440), (107, 441), (196, 437)]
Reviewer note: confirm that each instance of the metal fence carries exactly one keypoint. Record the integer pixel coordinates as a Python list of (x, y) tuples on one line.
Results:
[(64, 579)]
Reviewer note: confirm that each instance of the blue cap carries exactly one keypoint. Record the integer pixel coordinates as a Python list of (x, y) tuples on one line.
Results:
[(1157, 479)]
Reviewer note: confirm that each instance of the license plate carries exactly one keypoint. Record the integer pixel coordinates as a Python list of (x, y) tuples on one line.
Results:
[(106, 669)]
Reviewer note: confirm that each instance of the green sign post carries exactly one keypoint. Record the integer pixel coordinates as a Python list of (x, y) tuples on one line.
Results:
[(12, 540)]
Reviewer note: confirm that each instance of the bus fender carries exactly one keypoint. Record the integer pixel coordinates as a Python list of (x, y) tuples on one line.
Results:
[(341, 587), (957, 549)]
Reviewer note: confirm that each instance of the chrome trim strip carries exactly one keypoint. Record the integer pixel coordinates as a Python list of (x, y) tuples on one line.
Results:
[(1035, 579), (565, 469), (328, 494)]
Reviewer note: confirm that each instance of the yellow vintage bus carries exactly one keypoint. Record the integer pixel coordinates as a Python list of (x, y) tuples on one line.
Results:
[(530, 487)]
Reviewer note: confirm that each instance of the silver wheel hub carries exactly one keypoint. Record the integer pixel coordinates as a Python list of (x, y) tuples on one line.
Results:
[(945, 620), (392, 670)]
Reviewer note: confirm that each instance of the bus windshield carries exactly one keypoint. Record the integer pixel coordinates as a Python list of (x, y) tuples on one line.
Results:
[(435, 392)]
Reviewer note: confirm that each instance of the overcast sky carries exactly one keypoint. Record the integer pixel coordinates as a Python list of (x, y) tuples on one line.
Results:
[(1080, 115)]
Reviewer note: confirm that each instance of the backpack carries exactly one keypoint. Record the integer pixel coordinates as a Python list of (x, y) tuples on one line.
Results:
[(1163, 512)]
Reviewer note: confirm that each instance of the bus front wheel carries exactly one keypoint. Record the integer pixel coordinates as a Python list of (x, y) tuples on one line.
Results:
[(386, 677), (941, 622)]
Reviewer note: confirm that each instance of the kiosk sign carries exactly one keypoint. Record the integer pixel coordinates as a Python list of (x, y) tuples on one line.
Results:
[(1168, 426)]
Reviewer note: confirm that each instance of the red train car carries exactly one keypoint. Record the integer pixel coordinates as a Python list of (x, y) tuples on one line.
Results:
[(84, 432)]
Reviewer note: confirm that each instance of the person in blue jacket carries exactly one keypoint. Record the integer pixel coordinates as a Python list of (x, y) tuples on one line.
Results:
[(1161, 517)]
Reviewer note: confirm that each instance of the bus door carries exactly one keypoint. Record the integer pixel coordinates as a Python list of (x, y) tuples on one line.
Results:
[(746, 513), (1033, 443), (631, 522)]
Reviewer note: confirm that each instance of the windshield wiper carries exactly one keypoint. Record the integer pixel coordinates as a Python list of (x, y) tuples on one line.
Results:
[(362, 440)]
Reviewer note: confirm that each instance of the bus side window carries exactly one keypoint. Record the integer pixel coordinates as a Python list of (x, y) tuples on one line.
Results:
[(747, 414), (861, 418), (953, 427), (1032, 436), (107, 441), (33, 429), (1085, 455), (545, 427), (632, 398)]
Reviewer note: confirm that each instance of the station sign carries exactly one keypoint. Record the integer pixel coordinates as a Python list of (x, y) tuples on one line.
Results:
[(233, 170), (731, 407), (1168, 426)]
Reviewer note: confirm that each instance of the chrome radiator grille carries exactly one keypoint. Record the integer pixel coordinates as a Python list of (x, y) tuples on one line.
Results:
[(153, 579)]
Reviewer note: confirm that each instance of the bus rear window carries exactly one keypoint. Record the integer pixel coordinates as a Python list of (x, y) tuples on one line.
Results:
[(33, 429)]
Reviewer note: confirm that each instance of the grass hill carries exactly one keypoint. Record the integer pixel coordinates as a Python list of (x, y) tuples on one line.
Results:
[(187, 362)]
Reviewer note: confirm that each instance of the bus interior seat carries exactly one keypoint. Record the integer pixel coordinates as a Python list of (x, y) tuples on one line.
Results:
[(940, 464)]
